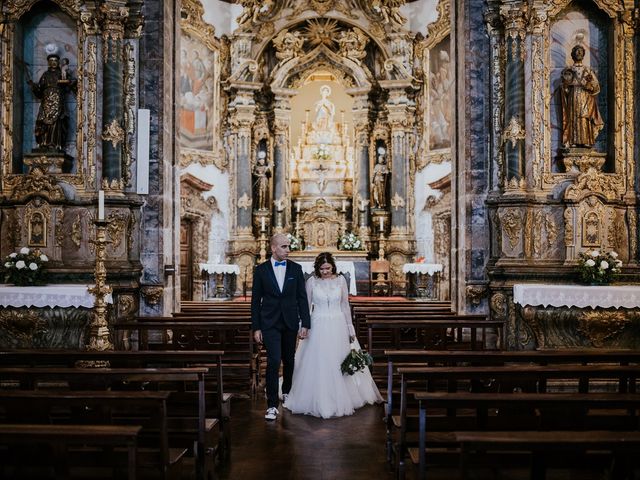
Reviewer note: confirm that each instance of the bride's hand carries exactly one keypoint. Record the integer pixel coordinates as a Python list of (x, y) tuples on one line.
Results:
[(304, 332)]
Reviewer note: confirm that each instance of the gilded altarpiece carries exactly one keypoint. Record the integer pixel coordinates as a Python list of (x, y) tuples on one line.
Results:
[(569, 199)]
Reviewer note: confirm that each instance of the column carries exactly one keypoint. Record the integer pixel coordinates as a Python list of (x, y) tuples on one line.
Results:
[(361, 173), (281, 127), (113, 15), (514, 130)]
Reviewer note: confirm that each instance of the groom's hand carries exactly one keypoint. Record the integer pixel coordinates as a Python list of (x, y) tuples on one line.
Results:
[(257, 336), (303, 333)]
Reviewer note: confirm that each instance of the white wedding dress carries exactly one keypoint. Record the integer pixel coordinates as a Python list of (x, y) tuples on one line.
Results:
[(319, 388)]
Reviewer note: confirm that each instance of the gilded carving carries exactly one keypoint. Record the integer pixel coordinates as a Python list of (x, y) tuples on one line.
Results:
[(288, 45), (131, 231), (127, 307), (76, 231), (113, 21), (115, 228), (14, 9), (113, 133), (59, 227), (592, 182), (633, 232), (514, 132), (498, 306), (91, 89), (442, 26), (511, 221), (551, 229), (152, 294), (129, 111), (528, 234), (37, 182), (22, 324), (389, 12), (568, 227), (600, 325), (397, 201), (193, 22), (475, 294), (352, 44)]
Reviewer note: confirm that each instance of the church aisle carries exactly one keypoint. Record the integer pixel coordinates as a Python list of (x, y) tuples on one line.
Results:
[(300, 447)]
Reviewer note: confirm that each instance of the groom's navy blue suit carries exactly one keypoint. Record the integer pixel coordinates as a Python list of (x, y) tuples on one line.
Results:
[(277, 313)]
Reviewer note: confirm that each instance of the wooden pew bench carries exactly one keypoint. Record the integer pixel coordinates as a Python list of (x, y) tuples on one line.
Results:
[(240, 360), (177, 380), (500, 379), (60, 437)]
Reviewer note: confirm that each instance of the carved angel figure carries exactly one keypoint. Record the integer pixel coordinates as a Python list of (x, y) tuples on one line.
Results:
[(352, 44), (288, 45), (390, 11), (253, 9)]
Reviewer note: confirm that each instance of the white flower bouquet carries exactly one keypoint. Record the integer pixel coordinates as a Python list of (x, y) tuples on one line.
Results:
[(597, 267), (350, 241), (25, 267), (295, 243), (355, 361)]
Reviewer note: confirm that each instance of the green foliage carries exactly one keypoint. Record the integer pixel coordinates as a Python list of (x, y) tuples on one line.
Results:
[(597, 267), (26, 267), (355, 361)]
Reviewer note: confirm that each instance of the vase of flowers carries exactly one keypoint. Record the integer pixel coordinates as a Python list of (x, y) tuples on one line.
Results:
[(25, 267), (598, 268), (295, 243), (349, 241)]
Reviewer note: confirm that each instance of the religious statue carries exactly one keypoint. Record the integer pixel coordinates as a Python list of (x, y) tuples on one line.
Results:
[(581, 120), (324, 111), (379, 180), (352, 44), (390, 11), (288, 45), (252, 9), (262, 172), (51, 123)]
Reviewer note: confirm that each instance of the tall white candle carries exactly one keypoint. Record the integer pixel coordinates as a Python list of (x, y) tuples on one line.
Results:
[(344, 205), (101, 205), (381, 223), (297, 206), (262, 227)]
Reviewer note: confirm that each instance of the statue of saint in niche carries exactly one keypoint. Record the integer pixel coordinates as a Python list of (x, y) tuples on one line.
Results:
[(51, 123), (324, 110), (262, 172), (581, 120), (379, 180)]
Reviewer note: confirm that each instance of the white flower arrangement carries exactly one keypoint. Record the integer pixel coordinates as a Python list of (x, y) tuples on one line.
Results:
[(295, 243), (350, 241), (27, 267), (322, 153), (597, 267)]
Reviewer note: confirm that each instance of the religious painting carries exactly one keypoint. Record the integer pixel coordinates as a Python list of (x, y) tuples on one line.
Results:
[(37, 230), (439, 92), (197, 88)]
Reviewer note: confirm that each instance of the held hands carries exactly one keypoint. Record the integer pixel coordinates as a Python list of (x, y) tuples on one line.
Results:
[(257, 336), (304, 332)]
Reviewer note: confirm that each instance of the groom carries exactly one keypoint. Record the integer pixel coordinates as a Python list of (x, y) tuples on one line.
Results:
[(278, 303)]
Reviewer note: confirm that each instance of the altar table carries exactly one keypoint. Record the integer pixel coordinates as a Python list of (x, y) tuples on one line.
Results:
[(422, 279), (220, 272)]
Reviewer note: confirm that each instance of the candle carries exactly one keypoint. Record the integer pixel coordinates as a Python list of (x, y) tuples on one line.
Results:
[(297, 206), (381, 223), (344, 205), (101, 205), (262, 227)]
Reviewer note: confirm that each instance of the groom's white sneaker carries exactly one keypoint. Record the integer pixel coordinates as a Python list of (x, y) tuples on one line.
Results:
[(285, 396), (272, 413)]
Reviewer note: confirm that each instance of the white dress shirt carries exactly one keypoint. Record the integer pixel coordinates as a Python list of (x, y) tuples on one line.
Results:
[(280, 272)]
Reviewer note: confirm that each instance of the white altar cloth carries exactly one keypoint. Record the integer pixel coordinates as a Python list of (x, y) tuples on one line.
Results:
[(341, 267), (48, 296), (220, 268), (580, 296), (423, 268)]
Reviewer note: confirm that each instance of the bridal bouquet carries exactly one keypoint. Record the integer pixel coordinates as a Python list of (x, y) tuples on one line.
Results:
[(26, 267), (597, 267), (355, 361)]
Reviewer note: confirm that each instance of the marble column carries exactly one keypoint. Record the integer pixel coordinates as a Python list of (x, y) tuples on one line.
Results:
[(361, 173), (514, 129), (282, 114), (114, 15)]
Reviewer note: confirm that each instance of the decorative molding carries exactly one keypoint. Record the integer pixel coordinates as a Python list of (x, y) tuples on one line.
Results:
[(113, 133), (397, 201), (152, 294), (514, 132), (244, 201)]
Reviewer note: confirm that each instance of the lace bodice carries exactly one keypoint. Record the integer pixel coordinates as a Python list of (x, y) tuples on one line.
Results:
[(330, 296)]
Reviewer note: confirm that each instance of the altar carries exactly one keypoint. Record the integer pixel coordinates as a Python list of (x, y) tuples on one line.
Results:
[(577, 316), (352, 264), (50, 316)]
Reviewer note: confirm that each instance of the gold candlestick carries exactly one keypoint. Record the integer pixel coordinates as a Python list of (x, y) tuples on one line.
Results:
[(381, 246), (99, 328), (263, 247)]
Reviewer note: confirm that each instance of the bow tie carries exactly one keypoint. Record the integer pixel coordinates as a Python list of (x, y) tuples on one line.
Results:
[(281, 264)]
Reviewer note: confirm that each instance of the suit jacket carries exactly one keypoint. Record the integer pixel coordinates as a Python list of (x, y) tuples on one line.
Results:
[(268, 303)]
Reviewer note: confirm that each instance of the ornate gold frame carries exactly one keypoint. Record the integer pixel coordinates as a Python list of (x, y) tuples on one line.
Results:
[(11, 13), (193, 25)]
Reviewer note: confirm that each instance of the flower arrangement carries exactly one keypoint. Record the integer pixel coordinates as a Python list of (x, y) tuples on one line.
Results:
[(295, 243), (321, 153), (597, 267), (26, 267), (349, 241), (355, 361)]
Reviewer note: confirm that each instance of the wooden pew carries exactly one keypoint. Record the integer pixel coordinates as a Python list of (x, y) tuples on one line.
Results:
[(519, 377), (133, 378), (104, 436), (504, 420), (360, 310), (98, 407), (239, 362)]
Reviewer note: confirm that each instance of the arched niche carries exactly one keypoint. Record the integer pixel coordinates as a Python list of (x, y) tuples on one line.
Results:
[(44, 29)]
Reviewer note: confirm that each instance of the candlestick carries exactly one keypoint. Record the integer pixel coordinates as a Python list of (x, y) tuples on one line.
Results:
[(101, 205), (381, 224), (262, 225)]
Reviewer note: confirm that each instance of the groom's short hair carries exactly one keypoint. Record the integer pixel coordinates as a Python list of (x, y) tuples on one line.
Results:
[(275, 238)]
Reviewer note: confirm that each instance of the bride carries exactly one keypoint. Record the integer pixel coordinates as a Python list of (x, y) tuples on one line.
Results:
[(319, 388)]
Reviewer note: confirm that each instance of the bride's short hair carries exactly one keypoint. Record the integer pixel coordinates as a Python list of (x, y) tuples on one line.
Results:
[(324, 257)]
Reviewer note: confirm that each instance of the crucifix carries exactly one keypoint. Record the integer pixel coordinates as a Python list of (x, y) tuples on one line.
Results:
[(322, 181)]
